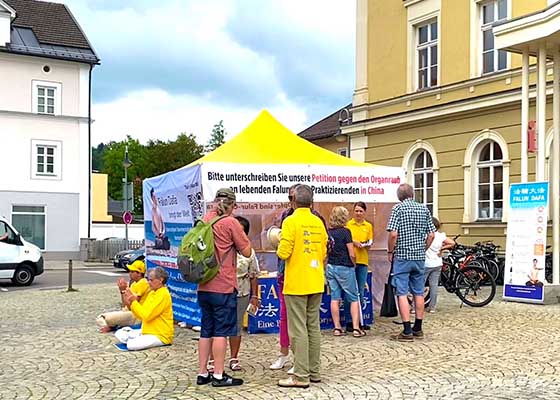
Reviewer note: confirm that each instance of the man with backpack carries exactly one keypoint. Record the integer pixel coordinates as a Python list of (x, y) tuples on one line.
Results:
[(217, 297)]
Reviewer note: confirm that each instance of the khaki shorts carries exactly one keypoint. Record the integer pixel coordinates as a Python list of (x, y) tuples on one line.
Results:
[(117, 318), (242, 303)]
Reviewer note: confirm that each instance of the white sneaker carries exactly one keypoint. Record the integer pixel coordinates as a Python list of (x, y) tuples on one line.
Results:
[(291, 371), (280, 362), (196, 328)]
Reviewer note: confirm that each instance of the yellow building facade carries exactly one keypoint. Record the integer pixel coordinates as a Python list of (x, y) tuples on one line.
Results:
[(99, 198), (434, 95)]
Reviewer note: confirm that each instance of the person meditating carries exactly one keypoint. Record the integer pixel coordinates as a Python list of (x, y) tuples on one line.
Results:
[(139, 286), (156, 315)]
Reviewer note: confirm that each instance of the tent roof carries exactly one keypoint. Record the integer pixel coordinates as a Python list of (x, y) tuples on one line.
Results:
[(267, 141)]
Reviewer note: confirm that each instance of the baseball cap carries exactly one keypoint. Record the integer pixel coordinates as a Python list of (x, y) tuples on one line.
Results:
[(225, 193), (137, 266)]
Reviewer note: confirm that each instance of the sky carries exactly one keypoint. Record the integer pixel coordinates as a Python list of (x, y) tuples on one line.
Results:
[(173, 66)]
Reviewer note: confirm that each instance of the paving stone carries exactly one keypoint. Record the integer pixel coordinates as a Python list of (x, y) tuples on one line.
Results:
[(51, 349)]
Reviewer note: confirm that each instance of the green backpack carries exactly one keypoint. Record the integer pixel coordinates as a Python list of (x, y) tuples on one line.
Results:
[(196, 258)]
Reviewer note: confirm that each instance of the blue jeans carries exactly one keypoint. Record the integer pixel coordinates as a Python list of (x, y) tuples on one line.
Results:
[(342, 279), (431, 276), (408, 276), (361, 277)]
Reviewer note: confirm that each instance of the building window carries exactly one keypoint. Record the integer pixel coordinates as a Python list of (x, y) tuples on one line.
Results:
[(420, 163), (343, 151), (46, 97), (486, 173), (490, 12), (45, 160), (424, 179), (427, 55), (46, 157), (30, 222), (490, 182)]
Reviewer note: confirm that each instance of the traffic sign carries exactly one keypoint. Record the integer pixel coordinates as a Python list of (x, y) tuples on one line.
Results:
[(127, 217)]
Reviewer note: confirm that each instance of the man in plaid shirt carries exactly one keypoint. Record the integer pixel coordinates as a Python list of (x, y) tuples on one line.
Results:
[(411, 232)]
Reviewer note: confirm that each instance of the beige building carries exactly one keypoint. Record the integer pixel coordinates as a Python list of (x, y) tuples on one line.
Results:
[(438, 97)]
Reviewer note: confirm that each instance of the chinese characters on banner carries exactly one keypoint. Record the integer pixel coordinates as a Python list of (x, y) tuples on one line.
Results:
[(524, 271), (268, 317)]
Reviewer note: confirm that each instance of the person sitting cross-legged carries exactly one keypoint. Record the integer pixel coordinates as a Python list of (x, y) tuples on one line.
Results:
[(156, 315), (108, 321)]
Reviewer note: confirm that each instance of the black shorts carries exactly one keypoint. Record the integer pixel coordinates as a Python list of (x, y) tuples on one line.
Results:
[(219, 314)]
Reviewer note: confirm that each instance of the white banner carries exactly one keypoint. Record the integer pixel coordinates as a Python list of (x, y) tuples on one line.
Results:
[(524, 271), (270, 183)]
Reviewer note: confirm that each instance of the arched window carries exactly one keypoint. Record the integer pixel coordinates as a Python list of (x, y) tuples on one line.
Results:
[(423, 180), (421, 165), (490, 189), (486, 170)]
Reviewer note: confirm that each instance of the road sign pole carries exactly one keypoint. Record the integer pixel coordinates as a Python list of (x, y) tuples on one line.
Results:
[(126, 204)]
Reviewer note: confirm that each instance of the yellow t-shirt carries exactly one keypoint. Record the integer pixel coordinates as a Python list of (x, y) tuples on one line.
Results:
[(303, 245), (361, 232), (140, 289), (156, 315)]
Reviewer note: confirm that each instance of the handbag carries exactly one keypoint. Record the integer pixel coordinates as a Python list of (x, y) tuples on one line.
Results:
[(389, 306)]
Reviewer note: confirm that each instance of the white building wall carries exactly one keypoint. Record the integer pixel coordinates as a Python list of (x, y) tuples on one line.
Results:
[(19, 126), (17, 73), (102, 231), (4, 27), (16, 134)]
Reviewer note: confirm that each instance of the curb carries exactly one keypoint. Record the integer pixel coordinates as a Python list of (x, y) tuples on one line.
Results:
[(81, 267)]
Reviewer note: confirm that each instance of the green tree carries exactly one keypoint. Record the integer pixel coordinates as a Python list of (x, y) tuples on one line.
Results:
[(168, 156), (97, 157), (113, 167), (155, 158), (217, 138)]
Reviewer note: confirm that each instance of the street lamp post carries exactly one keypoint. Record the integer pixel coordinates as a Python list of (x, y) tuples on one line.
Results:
[(126, 164)]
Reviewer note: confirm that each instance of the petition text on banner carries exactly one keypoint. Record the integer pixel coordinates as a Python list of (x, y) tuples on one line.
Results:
[(270, 182)]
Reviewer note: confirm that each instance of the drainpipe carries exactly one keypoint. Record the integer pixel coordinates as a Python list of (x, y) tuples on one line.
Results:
[(89, 152)]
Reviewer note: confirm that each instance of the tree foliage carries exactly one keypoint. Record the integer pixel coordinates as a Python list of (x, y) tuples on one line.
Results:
[(217, 138), (154, 158), (97, 157)]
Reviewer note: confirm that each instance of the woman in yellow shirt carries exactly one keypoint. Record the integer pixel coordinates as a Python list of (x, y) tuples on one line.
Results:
[(156, 315), (362, 237)]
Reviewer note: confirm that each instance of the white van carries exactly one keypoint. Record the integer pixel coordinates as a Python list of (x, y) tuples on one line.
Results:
[(20, 260)]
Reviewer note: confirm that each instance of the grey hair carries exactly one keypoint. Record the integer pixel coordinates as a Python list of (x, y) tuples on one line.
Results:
[(405, 191), (225, 206), (339, 217), (303, 196), (160, 273)]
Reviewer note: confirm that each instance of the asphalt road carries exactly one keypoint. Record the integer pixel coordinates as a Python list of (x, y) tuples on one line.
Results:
[(58, 279)]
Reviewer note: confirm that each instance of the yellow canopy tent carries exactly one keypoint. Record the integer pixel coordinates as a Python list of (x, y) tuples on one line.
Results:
[(267, 141)]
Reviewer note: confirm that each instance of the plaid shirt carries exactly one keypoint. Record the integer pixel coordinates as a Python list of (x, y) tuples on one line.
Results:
[(413, 222)]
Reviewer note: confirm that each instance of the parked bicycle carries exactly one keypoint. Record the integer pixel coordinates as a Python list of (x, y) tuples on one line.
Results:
[(473, 284), (462, 275)]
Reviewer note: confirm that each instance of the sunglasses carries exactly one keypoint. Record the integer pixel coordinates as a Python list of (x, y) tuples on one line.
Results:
[(291, 198)]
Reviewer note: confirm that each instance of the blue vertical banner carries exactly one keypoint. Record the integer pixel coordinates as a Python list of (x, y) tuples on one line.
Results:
[(267, 319), (172, 203), (524, 270)]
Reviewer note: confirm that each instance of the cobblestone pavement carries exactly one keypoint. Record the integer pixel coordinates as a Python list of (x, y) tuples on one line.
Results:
[(50, 348)]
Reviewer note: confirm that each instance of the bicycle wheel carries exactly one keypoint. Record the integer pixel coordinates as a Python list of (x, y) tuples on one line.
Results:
[(488, 265), (410, 297), (475, 286)]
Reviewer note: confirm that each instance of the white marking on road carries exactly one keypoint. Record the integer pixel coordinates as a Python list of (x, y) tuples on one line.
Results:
[(104, 273)]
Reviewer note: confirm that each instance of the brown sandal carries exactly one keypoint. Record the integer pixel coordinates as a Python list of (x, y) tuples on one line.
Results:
[(358, 333), (338, 332)]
